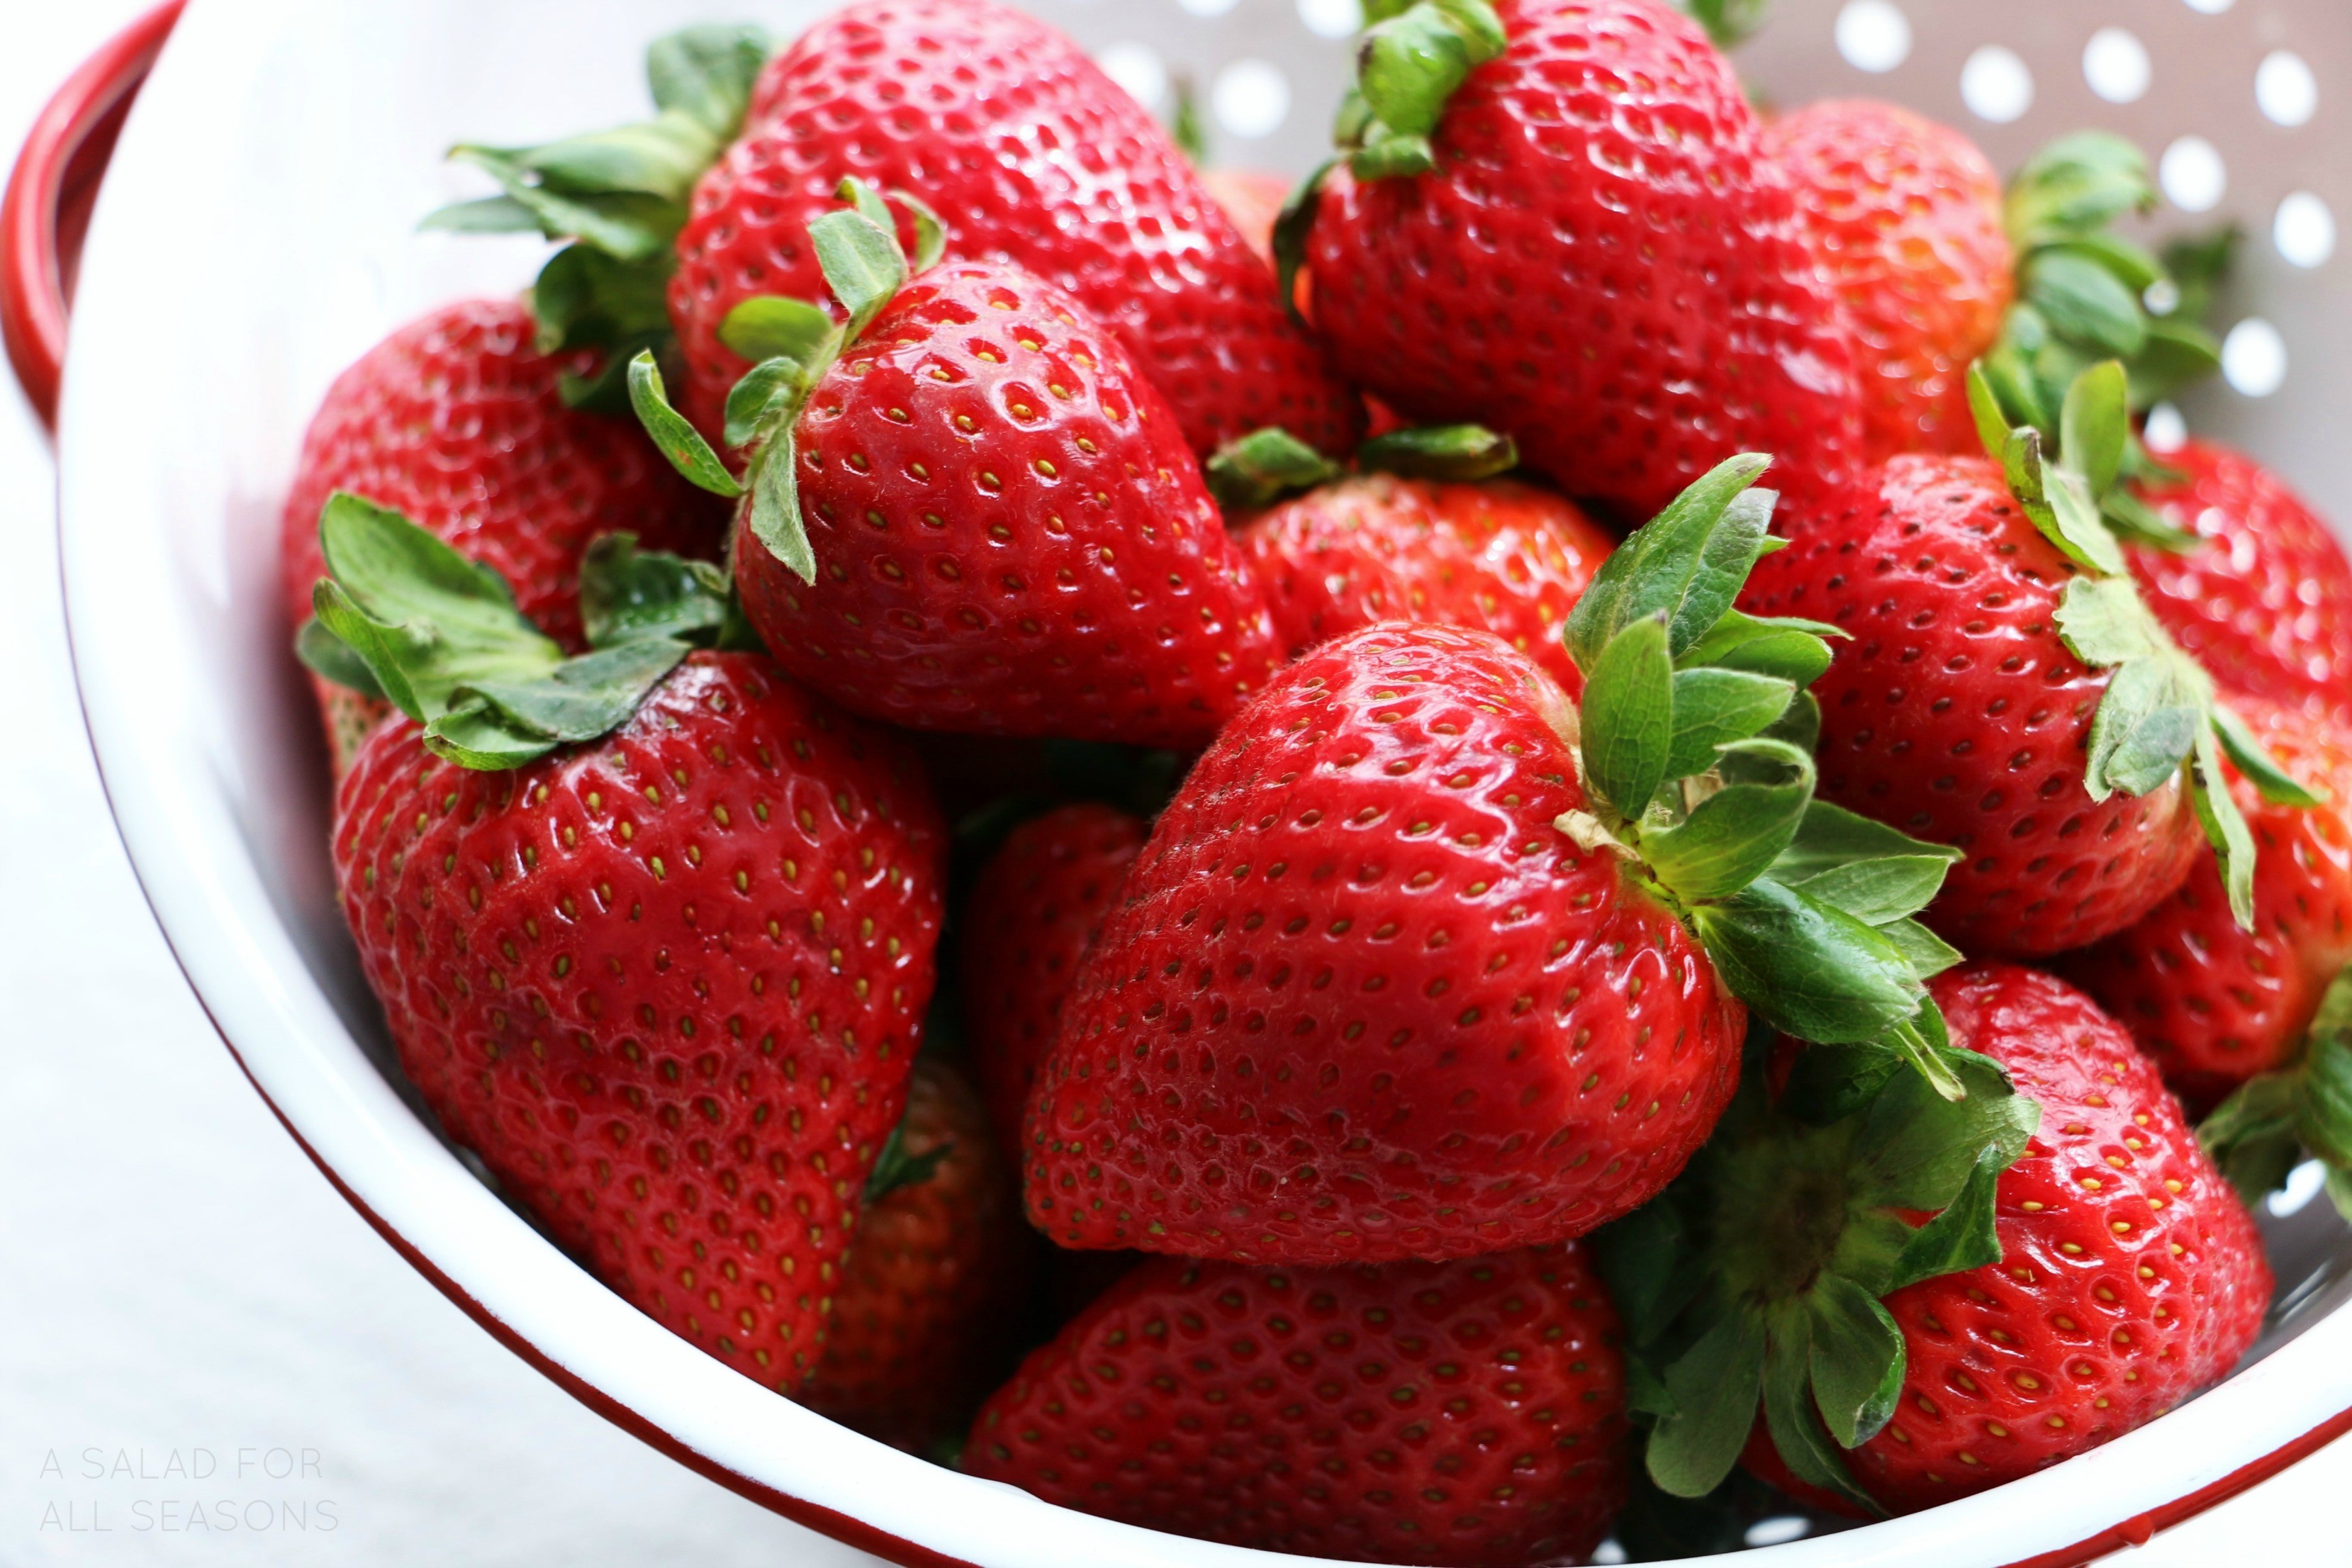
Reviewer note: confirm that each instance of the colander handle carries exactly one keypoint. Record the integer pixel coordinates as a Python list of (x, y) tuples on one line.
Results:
[(47, 208)]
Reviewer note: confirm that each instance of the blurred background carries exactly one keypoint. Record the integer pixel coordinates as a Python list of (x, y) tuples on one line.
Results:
[(190, 1317)]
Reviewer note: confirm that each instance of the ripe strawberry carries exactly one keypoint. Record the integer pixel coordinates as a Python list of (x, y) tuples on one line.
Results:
[(967, 510), (1040, 161), (1501, 556), (1904, 214), (1582, 245), (2266, 603), (1468, 1413), (455, 420), (1957, 711), (652, 930), (1032, 915), (1254, 199), (2088, 1270), (1390, 980), (923, 1315), (2212, 1005)]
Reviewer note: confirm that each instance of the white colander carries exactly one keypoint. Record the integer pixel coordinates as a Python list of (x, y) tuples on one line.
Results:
[(257, 232)]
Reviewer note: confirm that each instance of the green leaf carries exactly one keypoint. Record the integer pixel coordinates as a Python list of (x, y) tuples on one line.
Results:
[(2134, 521), (1994, 423), (1714, 1386), (2103, 621), (1785, 648), (2096, 423), (931, 233), (2198, 264), (1675, 565), (776, 520), (1790, 1414), (2225, 825), (1292, 226), (767, 326), (1829, 1083), (2147, 722), (2324, 1109), (1857, 1360), (661, 158), (895, 1168), (2075, 185), (580, 700), (677, 439), (330, 657), (1963, 1235), (861, 264), (2131, 264), (2083, 302), (1452, 452), (1409, 65), (707, 73), (1645, 1258), (1831, 836), (1261, 468), (768, 396), (1728, 841), (485, 214), (1926, 954), (2248, 755), (2177, 353), (425, 620), (1917, 1149), (632, 225), (1808, 969), (1924, 1055), (2254, 1136), (1876, 892), (627, 595), (1759, 761), (1713, 708), (1728, 22), (1628, 715), (584, 298)]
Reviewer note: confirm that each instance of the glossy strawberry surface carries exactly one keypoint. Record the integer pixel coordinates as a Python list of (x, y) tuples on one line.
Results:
[(1603, 263), (455, 422), (2213, 1004), (1035, 909), (1500, 556), (1468, 1413), (2130, 1275), (1033, 156), (1362, 1000), (1954, 712), (923, 1317), (2266, 604), (1905, 216), (668, 984), (1252, 199), (1010, 536)]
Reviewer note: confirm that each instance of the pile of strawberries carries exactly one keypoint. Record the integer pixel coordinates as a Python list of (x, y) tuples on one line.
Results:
[(1562, 835)]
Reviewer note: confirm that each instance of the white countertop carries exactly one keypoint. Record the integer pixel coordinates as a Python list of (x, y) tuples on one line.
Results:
[(205, 1356)]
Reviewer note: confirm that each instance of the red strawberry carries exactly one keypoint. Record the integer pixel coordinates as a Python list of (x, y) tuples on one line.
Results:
[(1468, 1413), (923, 1315), (2085, 1269), (2266, 603), (455, 420), (1504, 557), (2213, 1004), (1254, 199), (1906, 217), (1032, 915), (1584, 247), (2130, 1275), (1957, 713), (965, 511), (1037, 159), (653, 929)]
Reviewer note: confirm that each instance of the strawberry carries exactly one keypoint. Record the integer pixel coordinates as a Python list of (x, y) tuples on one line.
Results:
[(2004, 690), (1254, 199), (1042, 163), (968, 511), (922, 1317), (1033, 913), (1401, 973), (1904, 214), (1468, 1413), (2264, 599), (653, 929), (2084, 1271), (1555, 218), (1501, 556), (2212, 1005), (455, 421)]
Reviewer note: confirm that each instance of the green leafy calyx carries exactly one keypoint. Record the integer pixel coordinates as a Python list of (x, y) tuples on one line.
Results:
[(402, 616), (1257, 469), (1758, 1278), (1693, 737), (2277, 1119), (2160, 718), (619, 196), (791, 343)]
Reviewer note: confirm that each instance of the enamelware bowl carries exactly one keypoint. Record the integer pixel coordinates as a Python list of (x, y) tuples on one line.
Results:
[(257, 231)]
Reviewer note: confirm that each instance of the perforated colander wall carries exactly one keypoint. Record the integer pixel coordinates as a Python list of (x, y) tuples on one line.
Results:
[(2244, 105)]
